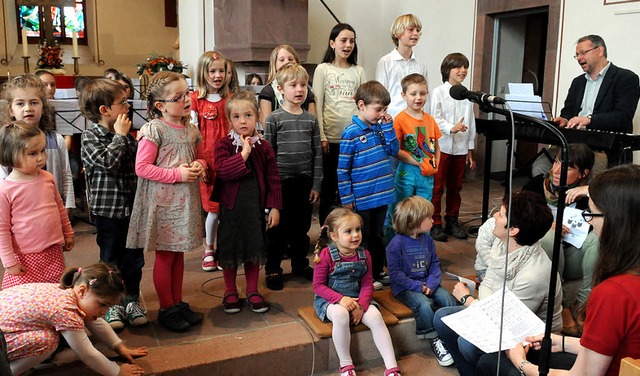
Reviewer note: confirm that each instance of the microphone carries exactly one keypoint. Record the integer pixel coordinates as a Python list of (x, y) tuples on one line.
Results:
[(460, 92)]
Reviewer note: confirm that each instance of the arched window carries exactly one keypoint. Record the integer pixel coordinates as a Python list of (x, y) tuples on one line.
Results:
[(52, 20)]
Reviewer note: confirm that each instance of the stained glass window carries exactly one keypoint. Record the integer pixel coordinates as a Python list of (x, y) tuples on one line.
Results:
[(50, 17)]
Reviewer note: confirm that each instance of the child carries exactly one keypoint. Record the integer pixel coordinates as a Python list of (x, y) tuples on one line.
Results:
[(109, 156), (457, 124), (207, 113), (247, 184), (49, 311), (414, 270), (253, 79), (34, 226), (393, 67), (233, 85), (335, 81), (365, 180), (343, 289), (295, 138), (26, 100), (166, 216), (270, 98), (48, 81)]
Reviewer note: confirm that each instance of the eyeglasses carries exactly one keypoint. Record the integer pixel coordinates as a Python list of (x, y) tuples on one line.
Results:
[(181, 98), (582, 53), (123, 103), (587, 215)]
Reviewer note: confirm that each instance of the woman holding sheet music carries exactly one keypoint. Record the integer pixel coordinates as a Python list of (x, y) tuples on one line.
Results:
[(612, 322)]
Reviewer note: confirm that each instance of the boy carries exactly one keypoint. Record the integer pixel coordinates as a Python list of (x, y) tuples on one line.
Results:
[(109, 154), (457, 124), (294, 135), (405, 33), (365, 179)]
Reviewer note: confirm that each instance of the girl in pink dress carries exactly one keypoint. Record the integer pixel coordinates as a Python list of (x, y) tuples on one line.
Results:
[(34, 226), (33, 316), (207, 113)]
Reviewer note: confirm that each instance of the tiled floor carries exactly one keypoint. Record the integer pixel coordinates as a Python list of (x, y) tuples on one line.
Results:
[(223, 337)]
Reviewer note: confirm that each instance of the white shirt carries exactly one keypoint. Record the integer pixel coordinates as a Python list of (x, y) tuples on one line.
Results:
[(391, 69), (591, 90), (447, 112)]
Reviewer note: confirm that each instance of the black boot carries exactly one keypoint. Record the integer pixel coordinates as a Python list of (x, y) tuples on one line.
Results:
[(437, 233), (455, 229)]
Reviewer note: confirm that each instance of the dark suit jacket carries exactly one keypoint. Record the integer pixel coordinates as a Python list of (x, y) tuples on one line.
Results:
[(615, 104)]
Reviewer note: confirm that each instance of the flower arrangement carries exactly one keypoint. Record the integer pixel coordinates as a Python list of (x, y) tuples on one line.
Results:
[(50, 56), (160, 63)]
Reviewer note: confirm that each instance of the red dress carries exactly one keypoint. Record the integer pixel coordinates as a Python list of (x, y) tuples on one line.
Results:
[(213, 125)]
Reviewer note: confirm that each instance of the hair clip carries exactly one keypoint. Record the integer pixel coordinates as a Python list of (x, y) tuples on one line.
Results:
[(215, 56), (9, 124), (91, 282), (80, 270)]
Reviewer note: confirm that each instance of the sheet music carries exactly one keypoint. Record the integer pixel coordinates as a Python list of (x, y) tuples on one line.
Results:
[(480, 323), (470, 284), (579, 229)]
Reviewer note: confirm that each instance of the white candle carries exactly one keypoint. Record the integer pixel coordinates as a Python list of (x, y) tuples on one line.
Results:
[(74, 42), (25, 45)]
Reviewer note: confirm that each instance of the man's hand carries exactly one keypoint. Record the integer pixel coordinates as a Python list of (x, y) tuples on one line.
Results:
[(562, 122), (579, 122)]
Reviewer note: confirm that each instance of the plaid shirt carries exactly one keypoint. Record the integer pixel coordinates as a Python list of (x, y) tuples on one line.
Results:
[(109, 161)]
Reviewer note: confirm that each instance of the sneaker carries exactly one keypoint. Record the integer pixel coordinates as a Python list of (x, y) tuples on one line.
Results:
[(115, 317), (395, 371), (257, 303), (377, 285), (437, 233), (274, 281), (209, 262), (455, 229), (307, 273), (231, 303), (193, 318), (441, 352), (172, 319), (349, 370), (383, 278), (135, 314)]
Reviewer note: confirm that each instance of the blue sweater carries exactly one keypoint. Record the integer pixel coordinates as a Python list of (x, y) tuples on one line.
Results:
[(364, 173), (412, 262)]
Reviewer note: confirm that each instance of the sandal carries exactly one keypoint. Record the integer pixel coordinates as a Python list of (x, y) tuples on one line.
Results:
[(209, 262), (231, 303), (260, 306)]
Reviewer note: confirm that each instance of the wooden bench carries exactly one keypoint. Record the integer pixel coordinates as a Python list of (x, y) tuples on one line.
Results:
[(323, 329)]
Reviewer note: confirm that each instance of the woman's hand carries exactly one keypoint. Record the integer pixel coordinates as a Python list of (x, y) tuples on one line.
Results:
[(349, 303), (518, 354), (575, 193), (460, 290)]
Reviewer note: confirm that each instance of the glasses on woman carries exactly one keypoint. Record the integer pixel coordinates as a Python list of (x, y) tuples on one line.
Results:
[(180, 98), (587, 215)]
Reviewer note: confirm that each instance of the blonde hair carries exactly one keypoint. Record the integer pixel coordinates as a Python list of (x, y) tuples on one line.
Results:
[(156, 90), (291, 72), (332, 223), (241, 96), (29, 81), (14, 137), (274, 57), (232, 83), (403, 22), (410, 213), (203, 70)]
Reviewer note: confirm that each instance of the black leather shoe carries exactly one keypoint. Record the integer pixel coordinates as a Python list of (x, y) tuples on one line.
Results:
[(455, 229), (437, 233)]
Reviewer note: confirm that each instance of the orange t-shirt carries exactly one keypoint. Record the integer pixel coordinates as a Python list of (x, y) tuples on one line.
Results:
[(419, 138)]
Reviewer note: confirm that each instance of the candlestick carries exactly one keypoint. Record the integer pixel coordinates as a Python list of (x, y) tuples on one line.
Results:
[(25, 44), (74, 42), (76, 66), (26, 64)]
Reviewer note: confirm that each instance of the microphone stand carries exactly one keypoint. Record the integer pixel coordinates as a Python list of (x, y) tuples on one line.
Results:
[(545, 352)]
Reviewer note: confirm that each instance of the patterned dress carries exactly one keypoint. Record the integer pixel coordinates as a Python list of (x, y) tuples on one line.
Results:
[(167, 217)]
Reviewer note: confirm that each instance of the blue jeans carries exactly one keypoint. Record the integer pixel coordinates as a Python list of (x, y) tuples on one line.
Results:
[(450, 339), (424, 307)]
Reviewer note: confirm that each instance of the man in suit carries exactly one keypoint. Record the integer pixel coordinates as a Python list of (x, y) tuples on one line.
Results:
[(604, 98)]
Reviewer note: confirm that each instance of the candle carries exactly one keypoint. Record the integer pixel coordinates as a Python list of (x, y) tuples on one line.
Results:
[(75, 44), (25, 45)]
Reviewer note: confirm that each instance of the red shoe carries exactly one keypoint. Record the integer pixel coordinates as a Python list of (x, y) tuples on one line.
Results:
[(209, 263)]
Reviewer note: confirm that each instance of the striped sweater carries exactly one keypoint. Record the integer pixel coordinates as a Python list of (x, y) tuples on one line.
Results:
[(364, 173)]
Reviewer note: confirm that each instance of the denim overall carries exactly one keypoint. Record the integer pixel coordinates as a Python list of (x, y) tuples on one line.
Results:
[(344, 279)]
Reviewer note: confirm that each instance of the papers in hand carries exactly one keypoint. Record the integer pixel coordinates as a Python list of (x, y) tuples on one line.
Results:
[(480, 323), (578, 228), (470, 284)]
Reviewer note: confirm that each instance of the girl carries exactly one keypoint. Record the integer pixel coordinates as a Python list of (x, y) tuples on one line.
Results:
[(26, 100), (233, 85), (270, 98), (414, 270), (47, 310), (336, 81), (247, 184), (253, 79), (207, 113), (34, 226), (343, 284), (611, 327), (166, 212), (457, 124)]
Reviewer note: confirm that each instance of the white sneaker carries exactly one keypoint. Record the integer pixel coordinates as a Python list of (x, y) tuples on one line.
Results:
[(377, 285), (441, 352)]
